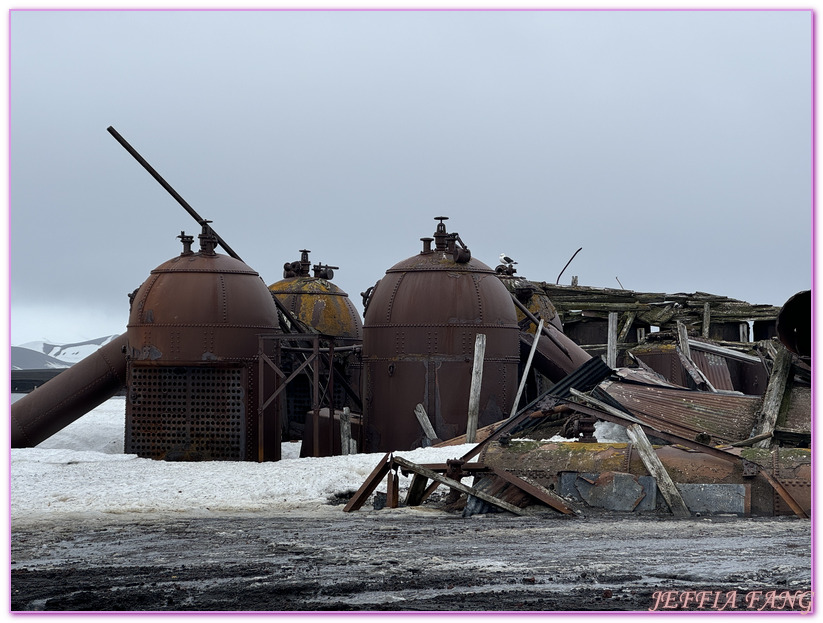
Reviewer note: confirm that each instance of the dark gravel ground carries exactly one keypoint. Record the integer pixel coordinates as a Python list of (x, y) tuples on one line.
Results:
[(405, 559)]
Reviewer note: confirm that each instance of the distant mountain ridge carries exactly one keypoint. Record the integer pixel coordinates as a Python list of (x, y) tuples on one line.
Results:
[(43, 355)]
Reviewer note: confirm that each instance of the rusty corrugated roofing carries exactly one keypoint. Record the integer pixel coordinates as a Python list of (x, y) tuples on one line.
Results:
[(726, 417)]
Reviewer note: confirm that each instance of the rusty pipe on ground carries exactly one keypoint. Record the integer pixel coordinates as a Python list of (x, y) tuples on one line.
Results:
[(70, 395)]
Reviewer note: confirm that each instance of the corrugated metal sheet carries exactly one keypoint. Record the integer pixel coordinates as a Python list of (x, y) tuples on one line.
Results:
[(715, 368), (687, 413)]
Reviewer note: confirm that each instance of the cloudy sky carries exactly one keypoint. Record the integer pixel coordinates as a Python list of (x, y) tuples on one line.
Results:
[(674, 147)]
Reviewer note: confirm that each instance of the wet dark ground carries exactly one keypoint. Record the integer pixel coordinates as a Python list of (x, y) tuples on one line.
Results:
[(404, 560)]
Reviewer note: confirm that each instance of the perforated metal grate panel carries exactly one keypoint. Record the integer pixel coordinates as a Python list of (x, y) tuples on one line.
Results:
[(186, 413)]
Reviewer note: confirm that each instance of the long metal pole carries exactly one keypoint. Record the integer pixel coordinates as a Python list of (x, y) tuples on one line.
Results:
[(169, 189)]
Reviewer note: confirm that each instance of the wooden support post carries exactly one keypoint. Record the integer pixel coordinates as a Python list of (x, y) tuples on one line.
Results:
[(628, 320), (414, 496), (683, 340), (656, 469), (537, 335), (392, 489), (611, 344), (773, 398), (474, 392), (345, 431), (707, 319), (425, 424)]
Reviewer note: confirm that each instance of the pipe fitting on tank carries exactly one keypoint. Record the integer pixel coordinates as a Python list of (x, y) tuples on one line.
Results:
[(440, 234), (187, 242), (427, 245), (208, 240)]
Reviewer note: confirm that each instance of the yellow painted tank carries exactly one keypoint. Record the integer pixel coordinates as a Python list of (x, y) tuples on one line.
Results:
[(317, 302)]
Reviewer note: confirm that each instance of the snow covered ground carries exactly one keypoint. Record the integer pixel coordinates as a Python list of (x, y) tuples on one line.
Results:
[(82, 469)]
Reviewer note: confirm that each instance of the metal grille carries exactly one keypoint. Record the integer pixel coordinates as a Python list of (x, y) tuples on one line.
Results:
[(186, 413)]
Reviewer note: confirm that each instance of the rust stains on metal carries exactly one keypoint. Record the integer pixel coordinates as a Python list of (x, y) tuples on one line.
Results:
[(317, 302), (73, 393), (193, 345), (418, 339)]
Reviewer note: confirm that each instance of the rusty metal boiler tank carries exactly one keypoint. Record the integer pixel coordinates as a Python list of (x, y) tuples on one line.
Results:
[(419, 330), (192, 359), (310, 296), (318, 302)]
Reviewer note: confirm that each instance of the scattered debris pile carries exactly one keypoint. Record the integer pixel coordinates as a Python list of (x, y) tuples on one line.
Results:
[(710, 425)]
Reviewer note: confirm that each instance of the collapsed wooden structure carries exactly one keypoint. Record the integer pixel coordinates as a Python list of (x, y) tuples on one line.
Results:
[(700, 374)]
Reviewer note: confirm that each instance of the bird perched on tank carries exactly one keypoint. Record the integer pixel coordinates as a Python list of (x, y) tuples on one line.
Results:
[(505, 259)]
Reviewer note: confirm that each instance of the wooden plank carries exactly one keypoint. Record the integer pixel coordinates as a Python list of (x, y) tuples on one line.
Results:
[(392, 490), (539, 493), (656, 469), (707, 319), (425, 423), (773, 398), (414, 496), (459, 486), (729, 353), (683, 340), (696, 373), (345, 431), (369, 485), (525, 376), (628, 320), (474, 391), (607, 408), (611, 341)]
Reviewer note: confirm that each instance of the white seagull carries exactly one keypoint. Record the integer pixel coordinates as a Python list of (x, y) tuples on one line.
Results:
[(505, 259)]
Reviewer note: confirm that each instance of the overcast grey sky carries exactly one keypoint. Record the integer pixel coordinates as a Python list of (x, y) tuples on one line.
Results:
[(675, 147)]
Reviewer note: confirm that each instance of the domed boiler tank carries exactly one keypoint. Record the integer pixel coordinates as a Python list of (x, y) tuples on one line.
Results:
[(319, 304), (192, 359), (420, 324)]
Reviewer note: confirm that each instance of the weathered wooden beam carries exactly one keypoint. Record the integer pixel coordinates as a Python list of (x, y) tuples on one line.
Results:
[(766, 416), (539, 493), (707, 319), (611, 343), (425, 424), (392, 490), (700, 379), (607, 408), (414, 496), (729, 353), (526, 370), (628, 320), (683, 340), (474, 391), (454, 484), (655, 466), (345, 432)]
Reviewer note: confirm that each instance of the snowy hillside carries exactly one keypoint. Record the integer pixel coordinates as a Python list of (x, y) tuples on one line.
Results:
[(27, 359), (45, 354)]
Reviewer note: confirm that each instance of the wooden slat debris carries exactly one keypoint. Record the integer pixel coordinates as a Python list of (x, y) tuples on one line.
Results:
[(655, 466), (454, 484), (536, 491), (773, 398), (476, 384), (425, 423)]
